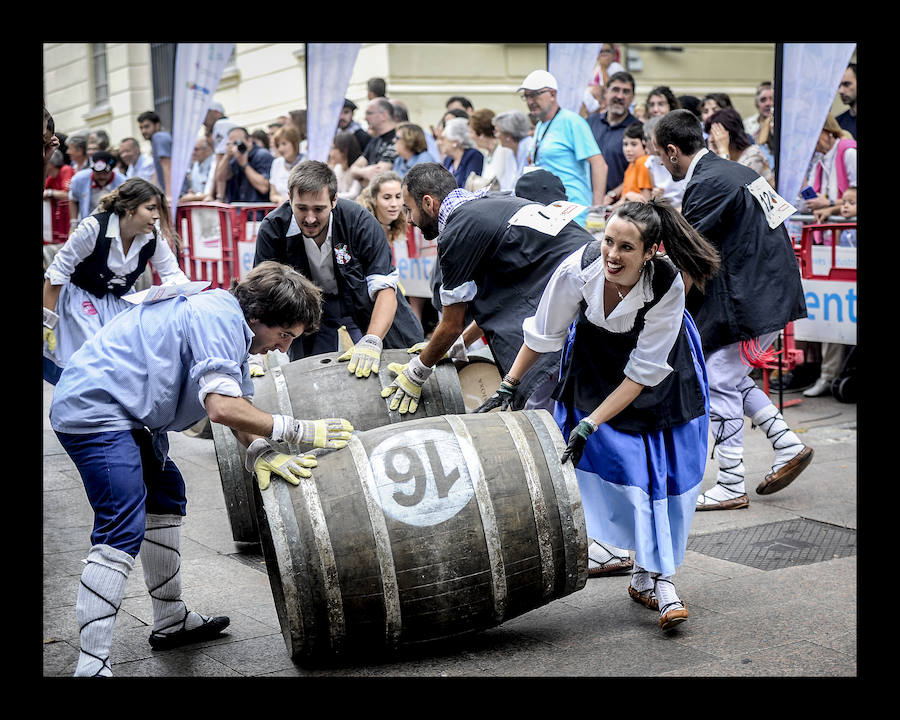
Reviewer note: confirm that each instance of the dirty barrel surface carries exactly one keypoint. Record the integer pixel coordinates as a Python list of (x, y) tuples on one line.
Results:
[(320, 387), (422, 531)]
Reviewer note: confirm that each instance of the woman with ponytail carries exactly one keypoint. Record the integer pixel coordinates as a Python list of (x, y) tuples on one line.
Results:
[(100, 262), (633, 396)]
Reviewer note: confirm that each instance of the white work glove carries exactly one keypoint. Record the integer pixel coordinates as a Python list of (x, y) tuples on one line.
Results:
[(330, 433), (364, 357), (49, 334), (263, 460), (407, 386), (457, 350)]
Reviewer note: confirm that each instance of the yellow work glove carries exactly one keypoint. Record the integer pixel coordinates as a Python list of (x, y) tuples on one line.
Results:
[(407, 386), (257, 365), (364, 357), (50, 339), (330, 433), (263, 460), (457, 350), (50, 320)]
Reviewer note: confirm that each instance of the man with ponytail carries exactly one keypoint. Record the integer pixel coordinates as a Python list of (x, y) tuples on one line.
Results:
[(632, 397), (740, 314)]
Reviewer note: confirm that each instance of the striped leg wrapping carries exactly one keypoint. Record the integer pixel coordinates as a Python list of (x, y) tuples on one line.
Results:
[(785, 443), (99, 597), (161, 559)]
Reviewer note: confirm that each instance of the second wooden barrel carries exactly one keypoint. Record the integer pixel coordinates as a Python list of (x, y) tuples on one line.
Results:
[(320, 387), (427, 530)]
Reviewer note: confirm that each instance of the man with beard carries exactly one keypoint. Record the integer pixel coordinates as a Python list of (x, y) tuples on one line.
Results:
[(847, 91), (609, 128), (88, 186), (491, 270), (346, 123), (340, 246), (563, 143)]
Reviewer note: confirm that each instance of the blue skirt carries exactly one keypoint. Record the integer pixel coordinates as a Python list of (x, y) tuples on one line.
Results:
[(639, 491)]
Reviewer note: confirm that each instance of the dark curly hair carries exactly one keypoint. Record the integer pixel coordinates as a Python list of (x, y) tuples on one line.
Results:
[(277, 295)]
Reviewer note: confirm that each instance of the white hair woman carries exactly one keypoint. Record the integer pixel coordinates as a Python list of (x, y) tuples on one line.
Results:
[(461, 155)]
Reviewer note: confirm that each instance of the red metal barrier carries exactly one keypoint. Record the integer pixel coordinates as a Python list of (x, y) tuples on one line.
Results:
[(828, 235), (210, 233), (811, 235)]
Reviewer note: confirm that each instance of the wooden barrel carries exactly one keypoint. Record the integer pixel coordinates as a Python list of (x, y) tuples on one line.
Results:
[(422, 531), (320, 387)]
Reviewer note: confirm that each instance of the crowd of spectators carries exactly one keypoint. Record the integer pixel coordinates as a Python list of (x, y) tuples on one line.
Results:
[(604, 154)]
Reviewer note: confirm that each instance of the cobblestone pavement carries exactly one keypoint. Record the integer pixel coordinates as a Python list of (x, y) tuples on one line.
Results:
[(755, 581)]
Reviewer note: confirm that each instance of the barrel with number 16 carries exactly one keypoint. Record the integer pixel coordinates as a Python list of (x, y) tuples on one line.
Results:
[(424, 530)]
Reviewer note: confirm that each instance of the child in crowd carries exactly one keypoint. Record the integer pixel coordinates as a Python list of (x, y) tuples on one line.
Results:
[(848, 212), (637, 185)]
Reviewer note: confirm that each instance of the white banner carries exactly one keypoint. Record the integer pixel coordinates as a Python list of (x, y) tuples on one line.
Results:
[(328, 70), (811, 74), (198, 69), (415, 258), (832, 312), (571, 65)]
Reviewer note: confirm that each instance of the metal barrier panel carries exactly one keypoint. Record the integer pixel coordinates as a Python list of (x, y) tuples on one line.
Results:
[(828, 266), (207, 242), (245, 226)]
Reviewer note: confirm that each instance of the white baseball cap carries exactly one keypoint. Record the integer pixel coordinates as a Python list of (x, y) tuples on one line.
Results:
[(538, 80)]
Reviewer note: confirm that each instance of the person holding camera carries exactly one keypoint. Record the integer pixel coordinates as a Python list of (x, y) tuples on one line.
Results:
[(246, 174)]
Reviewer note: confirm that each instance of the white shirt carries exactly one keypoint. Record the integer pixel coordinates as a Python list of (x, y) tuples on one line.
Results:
[(690, 171), (220, 131), (829, 171), (321, 266), (143, 168), (279, 174), (672, 189), (83, 239), (501, 164), (547, 329)]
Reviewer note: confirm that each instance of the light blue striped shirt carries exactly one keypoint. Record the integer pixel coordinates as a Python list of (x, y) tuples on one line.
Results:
[(144, 368)]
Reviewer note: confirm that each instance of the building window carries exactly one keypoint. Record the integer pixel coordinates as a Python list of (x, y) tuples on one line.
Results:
[(100, 74)]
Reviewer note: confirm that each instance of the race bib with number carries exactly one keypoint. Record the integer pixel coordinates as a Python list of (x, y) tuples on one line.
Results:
[(549, 219), (775, 207)]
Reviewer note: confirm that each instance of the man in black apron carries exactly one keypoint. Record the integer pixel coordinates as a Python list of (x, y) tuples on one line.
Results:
[(491, 271), (756, 292)]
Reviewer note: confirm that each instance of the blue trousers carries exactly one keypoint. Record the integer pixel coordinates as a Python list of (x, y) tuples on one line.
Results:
[(124, 480)]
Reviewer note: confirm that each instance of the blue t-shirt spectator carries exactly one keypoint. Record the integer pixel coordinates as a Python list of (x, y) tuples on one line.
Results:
[(161, 145)]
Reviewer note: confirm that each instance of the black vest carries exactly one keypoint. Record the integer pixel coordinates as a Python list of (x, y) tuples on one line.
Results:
[(595, 366), (93, 273)]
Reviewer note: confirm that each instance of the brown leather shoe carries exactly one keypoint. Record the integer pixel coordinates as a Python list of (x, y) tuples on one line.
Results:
[(673, 618), (647, 598), (735, 503), (613, 566), (786, 474)]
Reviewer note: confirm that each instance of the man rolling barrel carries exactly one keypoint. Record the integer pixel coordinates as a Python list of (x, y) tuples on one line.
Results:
[(491, 268), (341, 247), (161, 367)]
